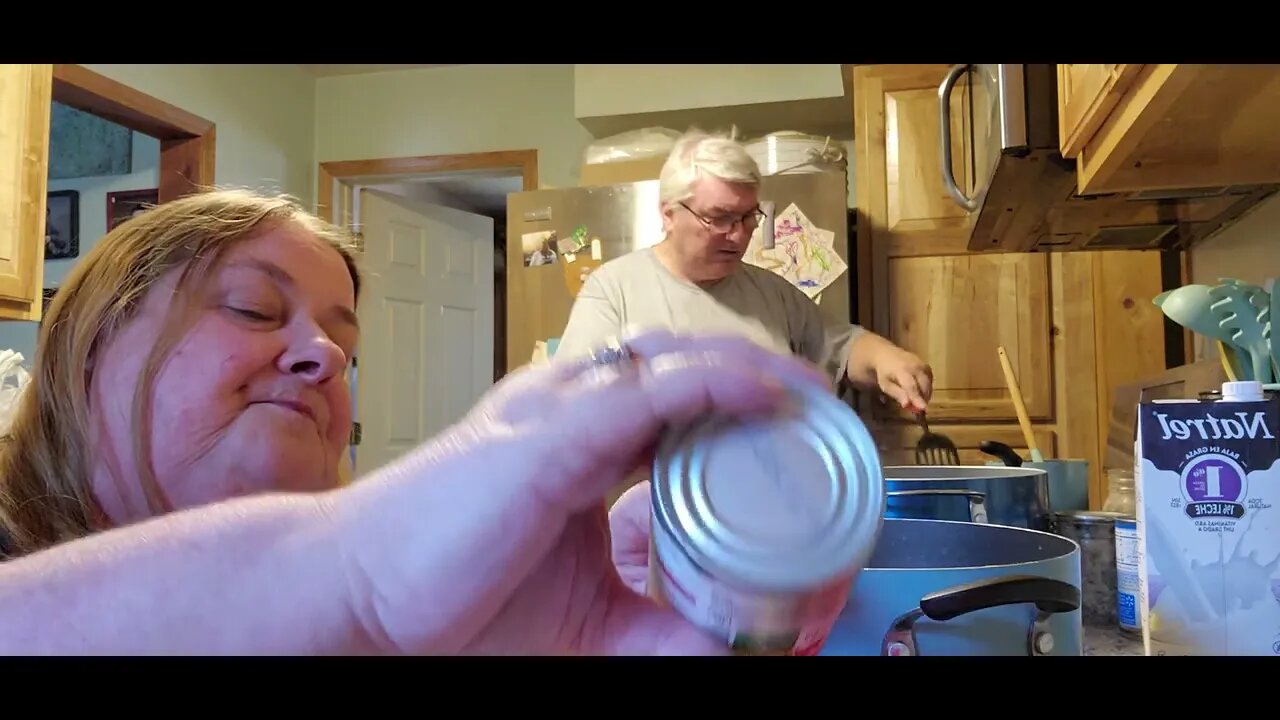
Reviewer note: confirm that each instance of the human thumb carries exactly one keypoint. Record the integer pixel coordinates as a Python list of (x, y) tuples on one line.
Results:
[(636, 625)]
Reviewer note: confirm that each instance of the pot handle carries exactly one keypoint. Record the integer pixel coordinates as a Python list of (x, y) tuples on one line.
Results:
[(977, 500), (1049, 595)]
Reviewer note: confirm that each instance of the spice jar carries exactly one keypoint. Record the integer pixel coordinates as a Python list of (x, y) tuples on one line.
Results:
[(1121, 495)]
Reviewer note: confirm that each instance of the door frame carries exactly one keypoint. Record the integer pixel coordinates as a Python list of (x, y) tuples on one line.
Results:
[(187, 141), (331, 175)]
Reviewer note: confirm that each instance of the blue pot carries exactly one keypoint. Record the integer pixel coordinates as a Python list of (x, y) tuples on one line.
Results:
[(1014, 496), (951, 588)]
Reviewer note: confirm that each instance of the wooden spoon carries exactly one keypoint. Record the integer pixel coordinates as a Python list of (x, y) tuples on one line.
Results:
[(1024, 420)]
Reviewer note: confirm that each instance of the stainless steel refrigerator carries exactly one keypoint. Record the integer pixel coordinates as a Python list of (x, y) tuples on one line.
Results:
[(552, 235)]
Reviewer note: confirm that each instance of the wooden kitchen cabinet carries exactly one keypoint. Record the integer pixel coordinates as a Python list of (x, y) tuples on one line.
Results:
[(929, 293), (26, 98), (1072, 323), (1086, 95), (1171, 126)]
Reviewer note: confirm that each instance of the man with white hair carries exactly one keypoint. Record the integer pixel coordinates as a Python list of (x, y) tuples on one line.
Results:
[(695, 281)]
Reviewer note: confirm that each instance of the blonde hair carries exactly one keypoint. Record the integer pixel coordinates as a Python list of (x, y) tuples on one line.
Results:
[(46, 460), (697, 153)]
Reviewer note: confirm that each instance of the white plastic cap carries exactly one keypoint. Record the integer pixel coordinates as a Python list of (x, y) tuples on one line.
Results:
[(1242, 391)]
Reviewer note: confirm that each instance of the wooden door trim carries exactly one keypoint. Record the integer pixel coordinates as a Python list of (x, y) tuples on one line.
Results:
[(526, 161), (187, 141), (330, 173)]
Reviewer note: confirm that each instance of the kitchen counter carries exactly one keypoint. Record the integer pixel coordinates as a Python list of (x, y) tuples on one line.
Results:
[(1110, 641)]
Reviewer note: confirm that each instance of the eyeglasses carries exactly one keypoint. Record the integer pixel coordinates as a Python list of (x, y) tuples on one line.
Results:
[(726, 223)]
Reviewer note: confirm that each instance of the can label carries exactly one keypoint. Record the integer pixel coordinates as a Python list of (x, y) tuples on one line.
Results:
[(751, 623), (1127, 575)]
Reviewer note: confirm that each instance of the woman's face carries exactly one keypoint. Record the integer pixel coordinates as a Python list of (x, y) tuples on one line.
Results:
[(253, 398)]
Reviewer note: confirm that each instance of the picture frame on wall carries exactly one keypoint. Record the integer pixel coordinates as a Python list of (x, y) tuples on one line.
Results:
[(124, 204), (45, 300), (62, 225)]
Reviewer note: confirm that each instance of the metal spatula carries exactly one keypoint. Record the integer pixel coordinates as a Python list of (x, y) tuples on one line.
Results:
[(935, 449)]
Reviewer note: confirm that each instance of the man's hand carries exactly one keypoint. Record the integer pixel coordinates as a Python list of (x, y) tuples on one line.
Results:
[(875, 362), (905, 378)]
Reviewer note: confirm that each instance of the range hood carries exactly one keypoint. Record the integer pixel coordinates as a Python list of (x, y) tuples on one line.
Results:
[(1026, 197)]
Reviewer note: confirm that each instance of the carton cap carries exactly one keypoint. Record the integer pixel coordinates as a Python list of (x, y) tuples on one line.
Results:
[(1242, 391)]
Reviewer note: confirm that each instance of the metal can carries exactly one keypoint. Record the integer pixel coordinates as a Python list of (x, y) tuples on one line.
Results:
[(1128, 616), (761, 526), (1095, 532)]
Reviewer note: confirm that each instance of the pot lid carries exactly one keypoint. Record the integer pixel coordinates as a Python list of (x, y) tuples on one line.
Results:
[(1092, 516)]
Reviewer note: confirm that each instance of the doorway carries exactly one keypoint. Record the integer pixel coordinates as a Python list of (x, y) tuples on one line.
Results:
[(337, 179), (175, 158), (186, 140), (427, 226)]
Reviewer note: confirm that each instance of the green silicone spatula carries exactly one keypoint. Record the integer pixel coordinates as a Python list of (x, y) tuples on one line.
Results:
[(1244, 311), (1275, 313), (1191, 307)]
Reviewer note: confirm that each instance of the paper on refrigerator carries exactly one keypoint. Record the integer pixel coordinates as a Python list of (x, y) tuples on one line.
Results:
[(803, 253)]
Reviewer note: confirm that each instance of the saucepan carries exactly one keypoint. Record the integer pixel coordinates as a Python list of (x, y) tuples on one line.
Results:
[(940, 587), (1068, 478), (979, 493)]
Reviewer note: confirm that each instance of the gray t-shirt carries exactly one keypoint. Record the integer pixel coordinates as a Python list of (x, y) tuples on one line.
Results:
[(637, 291)]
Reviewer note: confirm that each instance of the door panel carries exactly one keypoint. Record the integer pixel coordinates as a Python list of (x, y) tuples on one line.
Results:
[(426, 312)]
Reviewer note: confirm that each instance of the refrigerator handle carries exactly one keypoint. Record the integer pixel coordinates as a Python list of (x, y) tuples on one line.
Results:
[(767, 239)]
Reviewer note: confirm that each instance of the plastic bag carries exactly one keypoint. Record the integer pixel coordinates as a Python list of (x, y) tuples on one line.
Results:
[(631, 145), (788, 152), (13, 381)]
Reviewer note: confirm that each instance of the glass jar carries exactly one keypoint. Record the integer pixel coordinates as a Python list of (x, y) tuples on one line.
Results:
[(1121, 493)]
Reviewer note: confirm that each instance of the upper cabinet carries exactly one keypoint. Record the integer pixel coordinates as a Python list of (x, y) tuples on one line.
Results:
[(1086, 95), (26, 93), (1169, 127)]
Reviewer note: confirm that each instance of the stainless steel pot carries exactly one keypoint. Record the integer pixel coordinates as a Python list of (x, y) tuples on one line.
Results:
[(935, 587), (1015, 496), (1095, 532)]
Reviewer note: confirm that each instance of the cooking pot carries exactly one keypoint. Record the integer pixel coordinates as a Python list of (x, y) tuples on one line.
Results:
[(1068, 479), (1015, 496), (940, 587)]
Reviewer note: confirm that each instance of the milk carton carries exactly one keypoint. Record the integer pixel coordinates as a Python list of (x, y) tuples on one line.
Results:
[(1208, 476)]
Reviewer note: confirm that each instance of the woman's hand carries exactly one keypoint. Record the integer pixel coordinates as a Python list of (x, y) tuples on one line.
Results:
[(493, 538), (630, 529)]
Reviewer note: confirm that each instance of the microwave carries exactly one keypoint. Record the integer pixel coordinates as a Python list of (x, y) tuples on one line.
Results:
[(1023, 197)]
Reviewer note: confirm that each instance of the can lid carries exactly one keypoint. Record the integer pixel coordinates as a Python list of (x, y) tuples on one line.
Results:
[(777, 503)]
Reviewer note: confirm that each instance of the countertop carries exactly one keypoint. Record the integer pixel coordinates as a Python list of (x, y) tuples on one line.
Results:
[(1110, 641)]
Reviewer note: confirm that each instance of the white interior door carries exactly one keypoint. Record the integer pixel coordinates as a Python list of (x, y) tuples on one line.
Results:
[(426, 318)]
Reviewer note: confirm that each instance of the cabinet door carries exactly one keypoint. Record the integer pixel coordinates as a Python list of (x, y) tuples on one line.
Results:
[(928, 293), (1087, 93), (1187, 126), (26, 97)]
